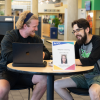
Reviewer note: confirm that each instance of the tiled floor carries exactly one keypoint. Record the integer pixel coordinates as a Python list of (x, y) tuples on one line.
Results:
[(23, 94)]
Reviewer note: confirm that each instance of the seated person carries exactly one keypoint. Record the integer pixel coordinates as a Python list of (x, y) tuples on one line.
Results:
[(87, 52), (27, 24)]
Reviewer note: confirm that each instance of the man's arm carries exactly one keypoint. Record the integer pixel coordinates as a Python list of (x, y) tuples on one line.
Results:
[(76, 51), (6, 46), (78, 62), (94, 56), (46, 52)]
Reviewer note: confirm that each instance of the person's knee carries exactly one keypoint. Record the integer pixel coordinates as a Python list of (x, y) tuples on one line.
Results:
[(4, 88), (44, 80), (3, 92), (94, 95), (40, 79), (56, 85)]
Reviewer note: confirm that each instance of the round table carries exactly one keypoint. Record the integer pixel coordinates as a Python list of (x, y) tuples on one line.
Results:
[(48, 70)]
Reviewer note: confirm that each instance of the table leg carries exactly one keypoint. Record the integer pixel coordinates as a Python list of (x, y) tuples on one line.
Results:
[(50, 87)]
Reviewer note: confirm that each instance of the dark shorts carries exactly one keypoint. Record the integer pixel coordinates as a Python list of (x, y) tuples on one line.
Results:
[(17, 78), (83, 82)]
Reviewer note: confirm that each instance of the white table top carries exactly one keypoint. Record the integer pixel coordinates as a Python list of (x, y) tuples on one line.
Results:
[(48, 69)]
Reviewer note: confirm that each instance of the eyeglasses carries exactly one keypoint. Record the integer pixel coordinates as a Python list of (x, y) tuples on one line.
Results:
[(77, 30)]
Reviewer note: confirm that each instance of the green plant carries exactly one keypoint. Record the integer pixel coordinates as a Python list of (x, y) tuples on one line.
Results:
[(56, 22), (1, 13)]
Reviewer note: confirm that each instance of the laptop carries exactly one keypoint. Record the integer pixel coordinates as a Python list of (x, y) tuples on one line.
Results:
[(28, 55)]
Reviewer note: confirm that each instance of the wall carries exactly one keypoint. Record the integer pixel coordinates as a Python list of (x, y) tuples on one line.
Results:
[(64, 1), (79, 4), (51, 6), (2, 8), (44, 6), (96, 4), (25, 5)]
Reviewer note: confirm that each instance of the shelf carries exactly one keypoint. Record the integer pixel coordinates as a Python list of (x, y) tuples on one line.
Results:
[(97, 28)]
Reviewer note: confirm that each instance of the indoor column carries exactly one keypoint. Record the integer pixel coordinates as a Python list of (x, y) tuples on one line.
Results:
[(7, 7), (71, 14), (35, 7)]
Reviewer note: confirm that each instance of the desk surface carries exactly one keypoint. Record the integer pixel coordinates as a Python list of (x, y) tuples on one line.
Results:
[(49, 70)]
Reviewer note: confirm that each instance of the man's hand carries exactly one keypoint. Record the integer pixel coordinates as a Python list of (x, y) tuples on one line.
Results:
[(43, 55), (78, 62)]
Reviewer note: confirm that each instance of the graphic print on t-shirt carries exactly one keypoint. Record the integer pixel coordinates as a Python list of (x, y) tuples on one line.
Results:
[(85, 50), (84, 54)]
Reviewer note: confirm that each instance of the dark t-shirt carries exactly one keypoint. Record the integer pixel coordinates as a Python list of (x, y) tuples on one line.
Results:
[(6, 46), (89, 54)]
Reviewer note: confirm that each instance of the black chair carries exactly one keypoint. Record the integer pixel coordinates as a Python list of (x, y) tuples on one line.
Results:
[(81, 91), (20, 87)]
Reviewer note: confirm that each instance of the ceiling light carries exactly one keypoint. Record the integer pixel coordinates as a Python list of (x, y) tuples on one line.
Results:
[(53, 0), (41, 3), (47, 1)]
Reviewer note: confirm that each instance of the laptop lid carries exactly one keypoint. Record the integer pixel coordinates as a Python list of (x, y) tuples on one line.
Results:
[(27, 53)]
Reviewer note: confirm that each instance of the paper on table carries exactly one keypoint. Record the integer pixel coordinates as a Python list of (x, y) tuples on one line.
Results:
[(63, 55)]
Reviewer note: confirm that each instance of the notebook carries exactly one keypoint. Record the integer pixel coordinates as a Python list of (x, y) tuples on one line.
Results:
[(28, 55)]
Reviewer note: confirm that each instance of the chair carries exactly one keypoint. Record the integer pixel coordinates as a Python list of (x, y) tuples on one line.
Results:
[(81, 91), (20, 87)]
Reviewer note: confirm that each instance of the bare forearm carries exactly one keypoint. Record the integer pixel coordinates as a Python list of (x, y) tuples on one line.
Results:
[(78, 62)]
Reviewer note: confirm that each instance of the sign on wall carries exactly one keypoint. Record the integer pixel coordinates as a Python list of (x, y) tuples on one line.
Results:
[(51, 10)]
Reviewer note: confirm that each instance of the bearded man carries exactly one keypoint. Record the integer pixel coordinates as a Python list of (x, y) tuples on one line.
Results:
[(87, 53)]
